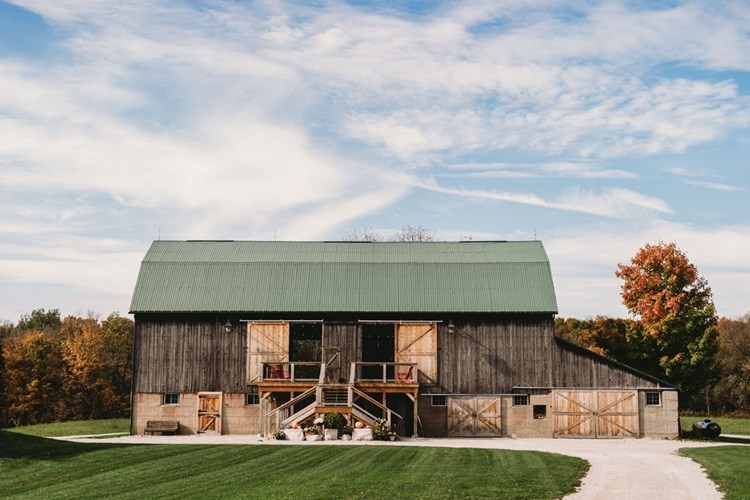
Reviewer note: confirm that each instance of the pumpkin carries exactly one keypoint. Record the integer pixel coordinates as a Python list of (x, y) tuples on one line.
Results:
[(359, 425), (295, 425)]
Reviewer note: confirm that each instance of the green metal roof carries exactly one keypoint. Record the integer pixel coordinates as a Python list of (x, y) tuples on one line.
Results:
[(362, 277)]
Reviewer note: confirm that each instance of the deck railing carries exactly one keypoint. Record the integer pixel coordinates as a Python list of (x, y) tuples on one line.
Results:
[(405, 373), (294, 371)]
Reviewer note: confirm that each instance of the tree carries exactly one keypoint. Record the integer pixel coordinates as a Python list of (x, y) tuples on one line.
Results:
[(364, 234), (415, 233), (32, 378), (407, 233), (40, 320), (674, 306), (97, 358), (733, 390)]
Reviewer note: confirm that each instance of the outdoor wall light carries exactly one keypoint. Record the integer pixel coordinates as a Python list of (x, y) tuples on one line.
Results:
[(451, 328), (228, 326)]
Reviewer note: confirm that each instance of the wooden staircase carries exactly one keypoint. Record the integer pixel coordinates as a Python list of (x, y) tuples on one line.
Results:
[(324, 398)]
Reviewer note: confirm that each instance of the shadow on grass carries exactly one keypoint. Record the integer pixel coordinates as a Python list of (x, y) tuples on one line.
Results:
[(21, 446), (688, 436)]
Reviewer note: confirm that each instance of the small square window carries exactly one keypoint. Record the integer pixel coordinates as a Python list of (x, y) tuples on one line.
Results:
[(251, 398), (438, 400), (521, 400), (540, 412), (171, 399), (653, 399)]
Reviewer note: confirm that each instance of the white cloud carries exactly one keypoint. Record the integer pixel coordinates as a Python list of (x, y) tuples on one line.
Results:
[(575, 170), (248, 119), (615, 203)]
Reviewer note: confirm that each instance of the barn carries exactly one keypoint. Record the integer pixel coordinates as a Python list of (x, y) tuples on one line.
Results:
[(437, 338)]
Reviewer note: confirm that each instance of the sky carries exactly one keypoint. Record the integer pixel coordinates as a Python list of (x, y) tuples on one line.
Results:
[(595, 127)]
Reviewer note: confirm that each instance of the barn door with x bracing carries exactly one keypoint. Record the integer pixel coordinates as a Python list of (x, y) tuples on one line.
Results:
[(596, 413), (209, 412), (417, 343), (474, 416)]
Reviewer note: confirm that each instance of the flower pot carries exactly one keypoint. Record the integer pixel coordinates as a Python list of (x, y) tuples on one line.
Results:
[(346, 437), (331, 434)]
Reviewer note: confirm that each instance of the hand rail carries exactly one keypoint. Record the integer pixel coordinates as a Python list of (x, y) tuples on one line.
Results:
[(294, 400), (373, 401)]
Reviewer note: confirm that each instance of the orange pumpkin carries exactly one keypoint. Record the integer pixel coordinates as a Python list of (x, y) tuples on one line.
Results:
[(359, 425), (295, 425)]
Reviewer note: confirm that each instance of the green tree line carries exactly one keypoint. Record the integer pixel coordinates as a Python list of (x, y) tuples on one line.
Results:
[(54, 369)]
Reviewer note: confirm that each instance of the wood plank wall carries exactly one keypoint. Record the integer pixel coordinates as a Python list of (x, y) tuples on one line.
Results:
[(490, 357), (572, 367), (188, 354)]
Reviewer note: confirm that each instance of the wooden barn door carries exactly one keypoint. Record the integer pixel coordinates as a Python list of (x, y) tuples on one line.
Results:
[(474, 416), (267, 342), (417, 343), (596, 414), (209, 412)]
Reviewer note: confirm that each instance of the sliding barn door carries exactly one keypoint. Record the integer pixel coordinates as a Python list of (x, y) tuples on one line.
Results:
[(417, 343), (267, 343), (596, 413)]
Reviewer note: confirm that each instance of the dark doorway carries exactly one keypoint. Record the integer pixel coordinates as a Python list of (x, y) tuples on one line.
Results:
[(305, 344), (378, 346)]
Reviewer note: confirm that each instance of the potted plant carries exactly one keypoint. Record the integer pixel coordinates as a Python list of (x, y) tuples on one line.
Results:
[(392, 435), (346, 432), (380, 429), (333, 423), (279, 435)]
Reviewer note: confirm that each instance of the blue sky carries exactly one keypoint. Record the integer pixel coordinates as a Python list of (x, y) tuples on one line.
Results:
[(594, 126)]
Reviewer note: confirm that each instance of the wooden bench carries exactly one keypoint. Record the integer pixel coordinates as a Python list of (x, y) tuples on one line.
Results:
[(163, 426)]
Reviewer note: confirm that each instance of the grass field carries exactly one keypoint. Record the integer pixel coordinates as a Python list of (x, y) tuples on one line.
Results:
[(36, 467), (728, 425), (76, 428), (727, 466)]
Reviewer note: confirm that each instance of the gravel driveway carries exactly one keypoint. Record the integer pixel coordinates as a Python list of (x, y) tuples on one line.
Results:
[(620, 468)]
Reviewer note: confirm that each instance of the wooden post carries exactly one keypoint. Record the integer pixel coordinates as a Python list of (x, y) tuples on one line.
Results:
[(415, 414)]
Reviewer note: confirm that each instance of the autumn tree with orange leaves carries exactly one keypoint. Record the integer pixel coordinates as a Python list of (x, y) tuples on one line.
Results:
[(675, 312)]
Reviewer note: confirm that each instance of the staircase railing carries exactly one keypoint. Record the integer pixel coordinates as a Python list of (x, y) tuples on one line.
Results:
[(389, 414), (283, 412)]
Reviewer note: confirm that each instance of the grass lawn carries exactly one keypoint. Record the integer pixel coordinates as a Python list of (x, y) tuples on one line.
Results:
[(76, 428), (728, 425), (36, 467), (727, 466)]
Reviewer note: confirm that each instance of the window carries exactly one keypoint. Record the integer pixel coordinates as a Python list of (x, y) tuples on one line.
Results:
[(521, 400), (653, 399), (170, 399), (438, 400), (540, 412), (251, 398)]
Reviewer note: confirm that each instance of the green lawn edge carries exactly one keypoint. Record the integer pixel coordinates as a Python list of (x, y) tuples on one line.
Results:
[(36, 467), (727, 466)]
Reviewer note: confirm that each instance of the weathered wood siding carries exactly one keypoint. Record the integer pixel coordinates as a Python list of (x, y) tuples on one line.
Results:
[(346, 338), (188, 355), (491, 357), (573, 366)]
